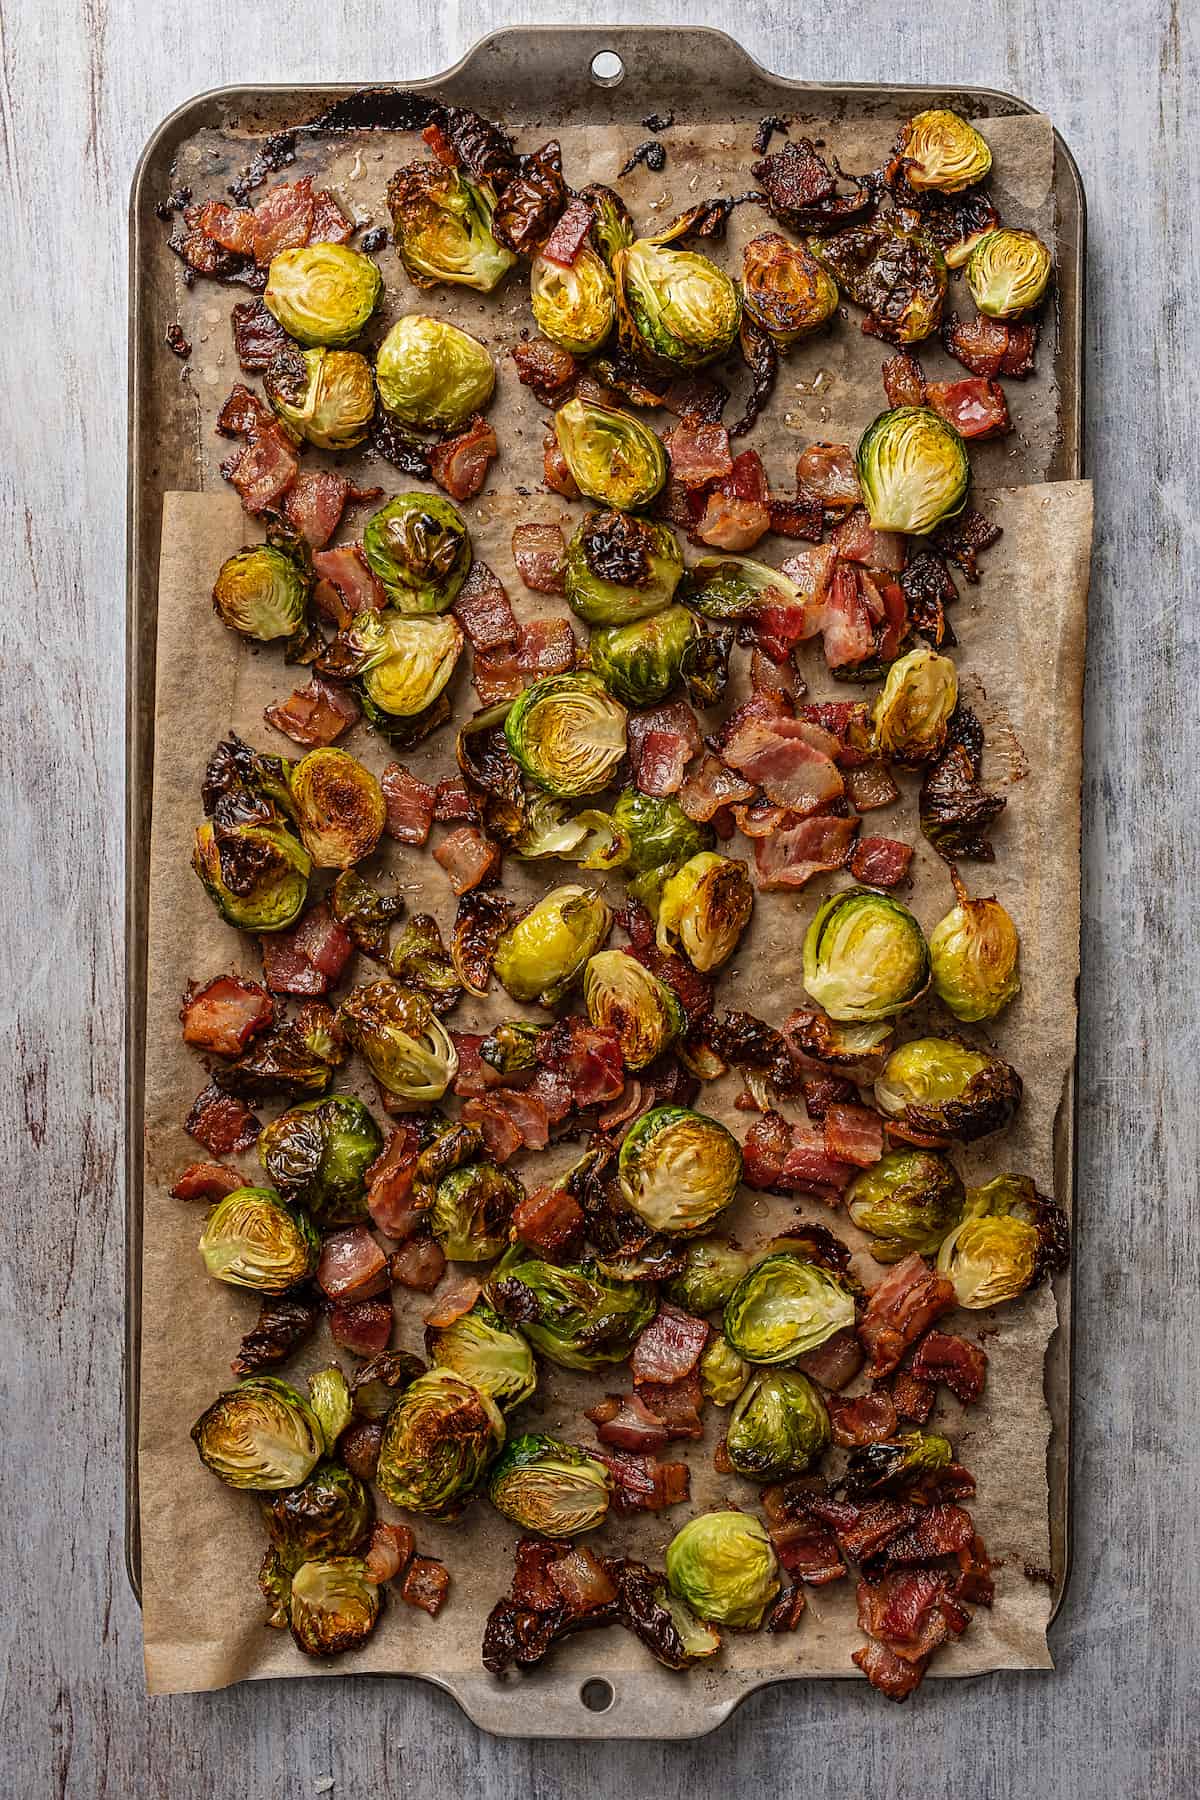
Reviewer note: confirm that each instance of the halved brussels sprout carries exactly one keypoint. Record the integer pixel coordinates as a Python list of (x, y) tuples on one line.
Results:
[(326, 396), (723, 1373), (1008, 272), (379, 1382), (260, 1435), (899, 277), (252, 1240), (612, 227), (942, 1087), (400, 1038), (864, 956), (328, 1515), (437, 1443), (481, 1348), (906, 1201), (262, 593), (404, 662), (678, 1169), (442, 224), (540, 957), (613, 457), (642, 662), (329, 1397), (660, 833), (914, 706), (895, 1465), (322, 293), (338, 806), (334, 1606), (786, 289), (589, 838), (471, 1213), (623, 997), (567, 733), (1011, 1238), (675, 308), (973, 952), (317, 1154), (620, 568), (778, 1427), (784, 1307), (574, 305), (705, 906), (913, 470), (735, 587), (723, 1565), (712, 1268), (546, 1486), (275, 887), (940, 150), (419, 548), (433, 375), (572, 1314)]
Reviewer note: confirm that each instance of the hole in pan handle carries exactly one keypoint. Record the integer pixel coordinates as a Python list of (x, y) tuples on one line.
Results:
[(597, 1695), (607, 69)]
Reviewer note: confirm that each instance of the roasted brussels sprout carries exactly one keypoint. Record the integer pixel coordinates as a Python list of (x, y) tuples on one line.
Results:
[(892, 1466), (322, 293), (712, 1268), (481, 1348), (252, 1240), (675, 308), (403, 662), (549, 1487), (329, 1397), (274, 887), (723, 1373), (613, 457), (786, 290), (567, 733), (334, 1606), (471, 1213), (328, 1515), (442, 224), (642, 662), (612, 227), (941, 1087), (379, 1382), (262, 593), (574, 305), (1011, 1238), (735, 587), (899, 277), (939, 150), (914, 707), (627, 999), (338, 806), (572, 1314), (260, 1435), (327, 397), (864, 956), (973, 953), (1008, 272), (432, 375), (906, 1201), (778, 1427), (723, 1565), (540, 957), (913, 470), (704, 908), (512, 1046), (659, 832), (418, 547), (437, 1443), (619, 568), (784, 1307), (678, 1169), (317, 1155), (400, 1038)]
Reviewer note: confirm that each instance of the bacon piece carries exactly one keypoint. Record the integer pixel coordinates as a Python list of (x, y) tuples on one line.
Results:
[(452, 802), (791, 760), (315, 715), (264, 469), (798, 518), (765, 1150), (390, 1184), (886, 1671), (626, 1422), (484, 611), (349, 586), (872, 1527), (865, 1419), (410, 803), (791, 857), (496, 675), (826, 473), (835, 1363), (556, 470), (903, 1611), (329, 223), (460, 463), (551, 1222), (807, 1550), (258, 337), (310, 957), (540, 556), (206, 1181), (474, 1076), (554, 1094), (500, 1132), (699, 453), (588, 1057), (856, 540), (569, 234), (900, 1310), (283, 219), (468, 858), (420, 1264), (670, 1346), (224, 1014), (912, 1399), (940, 1356), (426, 1584), (643, 1484), (730, 523), (546, 369), (221, 1122), (389, 1548), (314, 504), (456, 1304), (661, 744), (868, 787), (352, 1266), (853, 1134), (939, 1531), (808, 1168), (232, 228), (709, 786), (581, 1580), (976, 407), (847, 623), (903, 381), (677, 1404), (824, 1091), (990, 347), (880, 861)]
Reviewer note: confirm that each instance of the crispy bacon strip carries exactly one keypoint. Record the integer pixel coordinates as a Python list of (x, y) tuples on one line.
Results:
[(224, 1014), (901, 1309), (315, 715), (221, 1122)]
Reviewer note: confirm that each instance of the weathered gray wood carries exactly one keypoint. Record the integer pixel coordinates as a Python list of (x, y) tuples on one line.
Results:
[(80, 90)]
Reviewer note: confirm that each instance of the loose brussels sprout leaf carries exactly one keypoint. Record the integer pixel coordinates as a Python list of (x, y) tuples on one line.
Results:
[(327, 397), (734, 587), (1008, 272), (973, 953), (471, 1214), (404, 662), (675, 308), (275, 1586), (418, 547), (906, 1201), (914, 707), (261, 1435), (613, 227), (338, 806), (574, 305), (779, 1426), (573, 1316), (723, 1566), (418, 959), (659, 832), (938, 149), (481, 1348), (642, 662), (913, 470), (433, 375), (620, 568), (437, 1443), (540, 957), (262, 593), (330, 1514), (705, 906), (252, 1240), (442, 223), (899, 277), (567, 733), (893, 1466), (712, 1268), (1011, 1238), (941, 1087), (400, 1038), (786, 289), (334, 1606), (864, 956), (379, 1382), (329, 1397), (322, 293), (723, 1373), (678, 1169), (623, 997), (275, 897), (552, 1488), (784, 1307), (613, 457)]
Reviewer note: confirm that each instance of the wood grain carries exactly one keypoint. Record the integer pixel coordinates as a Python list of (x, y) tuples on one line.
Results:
[(80, 90)]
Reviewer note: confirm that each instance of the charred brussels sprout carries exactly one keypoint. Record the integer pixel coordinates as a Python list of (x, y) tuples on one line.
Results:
[(678, 1169), (785, 1307), (418, 547), (660, 833), (1011, 1238), (1008, 272), (260, 1435), (914, 708), (274, 887), (471, 1212), (442, 224), (262, 593), (573, 1315), (778, 1427), (712, 1268), (642, 662), (612, 225), (620, 568), (627, 999), (317, 1154), (899, 277), (913, 470), (973, 952), (327, 397), (379, 1382), (723, 1566), (512, 1046), (939, 150), (540, 957), (941, 1087), (252, 1240), (334, 1606), (328, 1515), (437, 1443), (552, 1488), (705, 906), (338, 807), (613, 457), (574, 304), (864, 956), (786, 289), (433, 375), (567, 734), (890, 1467), (723, 1373), (400, 1038), (481, 1349), (906, 1201), (403, 662), (675, 308), (322, 293)]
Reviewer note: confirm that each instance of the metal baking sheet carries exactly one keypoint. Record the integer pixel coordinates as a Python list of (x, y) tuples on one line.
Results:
[(543, 77)]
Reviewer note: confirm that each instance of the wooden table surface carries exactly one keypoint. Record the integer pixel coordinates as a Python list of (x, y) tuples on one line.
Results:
[(81, 88)]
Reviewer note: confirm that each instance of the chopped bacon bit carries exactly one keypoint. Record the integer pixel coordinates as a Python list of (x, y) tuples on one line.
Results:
[(880, 861), (643, 1484), (853, 1134), (885, 1670), (468, 858), (670, 1346), (778, 677), (868, 787), (419, 1264), (569, 234), (388, 1551), (426, 1584), (310, 957), (824, 1091), (865, 1531), (765, 1150), (699, 453), (901, 1309), (314, 504), (903, 1611), (581, 1580), (452, 802), (556, 470), (975, 1584), (460, 463), (826, 473), (283, 219), (912, 1399), (258, 337), (709, 786), (221, 1122), (588, 1057), (940, 1530), (315, 715), (963, 539), (865, 1419), (791, 760), (729, 523), (551, 1222), (546, 647), (903, 380), (206, 1181), (990, 347), (410, 804), (390, 1184), (474, 1077), (329, 223), (808, 1168), (856, 540), (224, 1014), (626, 1422), (661, 744), (799, 518), (677, 1404), (233, 230), (352, 1266), (363, 1327), (456, 1304), (696, 397), (792, 856), (345, 586), (546, 369), (265, 468), (940, 1356), (500, 1131), (976, 407), (834, 1363), (540, 556)]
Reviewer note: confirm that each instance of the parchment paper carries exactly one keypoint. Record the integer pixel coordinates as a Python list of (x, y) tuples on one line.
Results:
[(1020, 661)]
